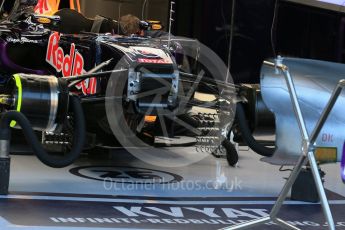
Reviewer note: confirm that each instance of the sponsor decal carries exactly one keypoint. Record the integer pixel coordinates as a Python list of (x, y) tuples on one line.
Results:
[(190, 222), (153, 61), (151, 55), (71, 64), (160, 212), (21, 40), (129, 175), (327, 138), (144, 51), (171, 215), (326, 154), (157, 27), (145, 54), (44, 20), (193, 217)]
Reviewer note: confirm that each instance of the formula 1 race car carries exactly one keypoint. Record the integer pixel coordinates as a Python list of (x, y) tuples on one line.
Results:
[(46, 58), (80, 84)]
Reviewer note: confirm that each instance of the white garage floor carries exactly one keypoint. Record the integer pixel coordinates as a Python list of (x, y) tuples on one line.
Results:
[(133, 195)]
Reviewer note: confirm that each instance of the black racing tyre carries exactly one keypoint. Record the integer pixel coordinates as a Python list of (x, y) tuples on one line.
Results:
[(4, 175), (247, 134), (231, 153)]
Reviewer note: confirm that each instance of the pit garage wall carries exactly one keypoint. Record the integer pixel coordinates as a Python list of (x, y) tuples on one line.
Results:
[(155, 9), (299, 31), (210, 22), (310, 32)]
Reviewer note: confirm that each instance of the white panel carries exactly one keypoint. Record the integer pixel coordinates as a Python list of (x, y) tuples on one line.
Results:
[(336, 5)]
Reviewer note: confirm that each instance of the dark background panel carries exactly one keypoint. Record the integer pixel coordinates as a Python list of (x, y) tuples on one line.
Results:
[(210, 22), (299, 30), (308, 32)]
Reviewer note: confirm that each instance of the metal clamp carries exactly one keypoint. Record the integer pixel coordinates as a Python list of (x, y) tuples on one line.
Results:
[(4, 149), (5, 163)]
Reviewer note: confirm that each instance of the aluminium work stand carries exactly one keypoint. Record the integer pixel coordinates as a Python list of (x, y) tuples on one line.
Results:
[(307, 156)]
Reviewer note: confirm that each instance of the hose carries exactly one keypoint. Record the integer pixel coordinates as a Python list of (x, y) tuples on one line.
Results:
[(42, 155), (247, 134)]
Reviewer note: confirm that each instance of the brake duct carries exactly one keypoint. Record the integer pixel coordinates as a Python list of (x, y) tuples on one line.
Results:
[(42, 99), (38, 103)]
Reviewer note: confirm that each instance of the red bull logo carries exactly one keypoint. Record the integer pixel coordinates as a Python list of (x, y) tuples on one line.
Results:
[(70, 64)]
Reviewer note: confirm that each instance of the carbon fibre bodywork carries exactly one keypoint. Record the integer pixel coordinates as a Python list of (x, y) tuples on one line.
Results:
[(34, 48)]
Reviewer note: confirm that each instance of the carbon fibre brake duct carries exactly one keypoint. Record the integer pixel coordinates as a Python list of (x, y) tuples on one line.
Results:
[(20, 119), (33, 102)]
